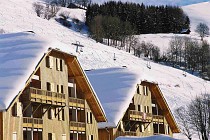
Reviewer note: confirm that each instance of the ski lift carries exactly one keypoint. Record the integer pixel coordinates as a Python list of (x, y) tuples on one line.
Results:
[(114, 57), (184, 73), (148, 65), (79, 46), (81, 50)]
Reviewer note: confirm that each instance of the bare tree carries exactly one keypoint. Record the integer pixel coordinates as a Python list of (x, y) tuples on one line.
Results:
[(199, 112), (183, 121), (39, 8), (202, 29), (51, 10), (131, 42), (175, 50), (208, 71)]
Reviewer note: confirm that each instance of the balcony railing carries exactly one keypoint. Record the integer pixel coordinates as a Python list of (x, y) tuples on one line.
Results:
[(44, 96), (32, 122), (130, 133), (125, 133), (77, 126), (75, 102), (158, 118), (139, 116)]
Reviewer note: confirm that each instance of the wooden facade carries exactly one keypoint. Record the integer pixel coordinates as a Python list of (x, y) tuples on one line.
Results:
[(147, 115), (57, 103)]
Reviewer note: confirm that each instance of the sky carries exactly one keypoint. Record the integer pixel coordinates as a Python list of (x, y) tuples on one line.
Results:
[(160, 2)]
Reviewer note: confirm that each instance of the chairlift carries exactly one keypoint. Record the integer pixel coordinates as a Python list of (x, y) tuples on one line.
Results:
[(184, 73), (81, 50), (78, 46), (148, 65), (114, 57)]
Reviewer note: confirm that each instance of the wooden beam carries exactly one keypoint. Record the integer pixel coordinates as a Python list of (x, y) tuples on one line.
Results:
[(36, 109), (75, 77), (88, 95)]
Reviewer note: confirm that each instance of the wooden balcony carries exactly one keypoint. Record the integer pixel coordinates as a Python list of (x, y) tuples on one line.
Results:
[(44, 96), (134, 115), (130, 133), (77, 126), (158, 119), (125, 133), (32, 122), (75, 102)]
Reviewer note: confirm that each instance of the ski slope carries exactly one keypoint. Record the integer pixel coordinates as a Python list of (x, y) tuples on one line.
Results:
[(19, 16), (198, 13)]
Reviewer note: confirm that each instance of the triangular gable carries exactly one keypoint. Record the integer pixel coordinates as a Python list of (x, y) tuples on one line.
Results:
[(156, 92), (75, 70)]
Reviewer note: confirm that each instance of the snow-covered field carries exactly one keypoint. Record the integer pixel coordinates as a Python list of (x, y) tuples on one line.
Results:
[(18, 16)]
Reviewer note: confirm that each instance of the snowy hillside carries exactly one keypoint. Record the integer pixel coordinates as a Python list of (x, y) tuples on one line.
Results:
[(198, 13), (18, 16)]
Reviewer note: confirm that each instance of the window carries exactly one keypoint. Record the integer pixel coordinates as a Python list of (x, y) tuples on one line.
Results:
[(90, 137), (50, 87), (63, 136), (49, 62), (146, 109), (51, 136), (61, 65), (14, 136), (57, 62), (89, 118), (61, 115), (51, 113), (142, 128), (61, 89), (17, 109), (138, 91), (145, 90), (140, 108), (58, 89)]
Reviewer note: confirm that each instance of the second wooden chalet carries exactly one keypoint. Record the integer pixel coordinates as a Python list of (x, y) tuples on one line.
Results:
[(133, 107)]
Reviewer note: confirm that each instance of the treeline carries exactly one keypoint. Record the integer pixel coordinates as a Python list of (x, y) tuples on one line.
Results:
[(143, 19), (189, 54)]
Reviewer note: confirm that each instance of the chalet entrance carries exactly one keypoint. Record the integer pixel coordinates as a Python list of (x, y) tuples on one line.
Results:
[(29, 134), (77, 136)]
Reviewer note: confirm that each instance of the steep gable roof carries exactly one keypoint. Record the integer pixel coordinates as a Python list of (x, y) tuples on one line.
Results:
[(20, 53), (116, 87)]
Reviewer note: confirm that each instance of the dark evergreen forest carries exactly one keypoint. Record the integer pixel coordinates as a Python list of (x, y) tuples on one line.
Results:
[(139, 18)]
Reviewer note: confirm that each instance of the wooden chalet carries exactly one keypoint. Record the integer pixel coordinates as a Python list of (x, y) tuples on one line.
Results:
[(146, 114), (57, 103)]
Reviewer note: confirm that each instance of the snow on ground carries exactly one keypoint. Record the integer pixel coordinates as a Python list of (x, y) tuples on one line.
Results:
[(158, 137), (163, 40), (198, 13), (18, 16)]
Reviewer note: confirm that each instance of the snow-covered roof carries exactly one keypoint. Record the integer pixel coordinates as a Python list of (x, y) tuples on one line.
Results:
[(157, 137), (115, 88), (19, 55)]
